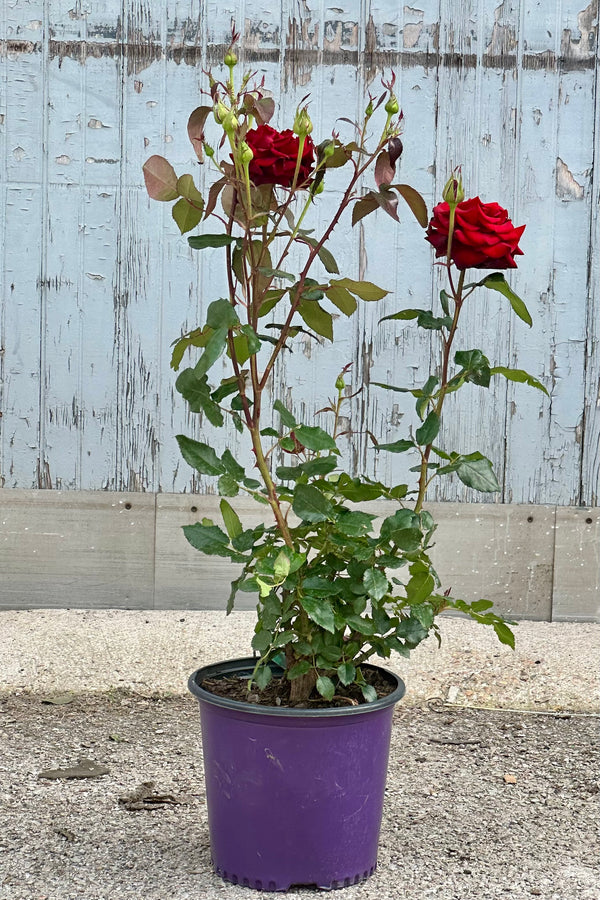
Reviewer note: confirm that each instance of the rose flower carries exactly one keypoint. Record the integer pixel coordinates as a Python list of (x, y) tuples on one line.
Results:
[(275, 154), (483, 237)]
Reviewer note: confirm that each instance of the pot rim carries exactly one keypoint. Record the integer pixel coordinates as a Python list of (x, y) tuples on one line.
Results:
[(245, 665)]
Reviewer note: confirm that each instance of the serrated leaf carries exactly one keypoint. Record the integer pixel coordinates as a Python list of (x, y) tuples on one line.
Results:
[(369, 692), (214, 348), (231, 519), (195, 128), (207, 538), (263, 677), (504, 634), (346, 672), (417, 205), (221, 314), (429, 430), (202, 241), (275, 273), (197, 393), (328, 261), (364, 207), (314, 438), (476, 472), (342, 298), (160, 179), (320, 611), (299, 668), (376, 584), (310, 505), (366, 290), (320, 587), (318, 319), (322, 465), (355, 523), (287, 417), (519, 375), (325, 687), (200, 456), (420, 587), (186, 216), (228, 486), (400, 446), (497, 282)]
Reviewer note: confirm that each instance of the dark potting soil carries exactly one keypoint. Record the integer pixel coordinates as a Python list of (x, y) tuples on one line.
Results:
[(277, 692)]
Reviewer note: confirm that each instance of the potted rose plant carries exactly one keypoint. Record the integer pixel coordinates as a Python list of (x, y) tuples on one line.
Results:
[(296, 738)]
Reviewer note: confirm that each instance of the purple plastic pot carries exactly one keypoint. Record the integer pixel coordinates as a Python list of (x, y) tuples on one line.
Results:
[(294, 796)]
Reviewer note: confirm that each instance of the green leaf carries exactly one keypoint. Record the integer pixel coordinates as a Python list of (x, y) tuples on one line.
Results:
[(316, 318), (235, 585), (366, 290), (357, 623), (186, 216), (480, 606), (201, 241), (208, 538), (376, 584), (214, 348), (355, 523), (200, 456), (400, 446), (254, 343), (287, 418), (281, 566), (427, 320), (328, 261), (504, 634), (519, 375), (197, 393), (325, 687), (322, 465), (261, 641), (275, 273), (228, 486), (310, 505), (420, 587), (231, 519), (369, 692), (320, 611), (298, 669), (221, 314), (342, 298), (315, 438), (346, 672), (429, 430), (232, 466), (263, 677), (269, 432), (476, 471), (402, 315), (497, 282), (320, 587)]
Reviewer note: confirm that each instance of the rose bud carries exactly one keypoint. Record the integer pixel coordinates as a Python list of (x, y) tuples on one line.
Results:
[(453, 191), (302, 123), (392, 107), (246, 154), (219, 112), (230, 59)]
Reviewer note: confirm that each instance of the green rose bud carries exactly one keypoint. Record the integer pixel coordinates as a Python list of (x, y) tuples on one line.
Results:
[(230, 122), (302, 123), (220, 111), (453, 193), (392, 107), (230, 59), (246, 154), (208, 150), (340, 384)]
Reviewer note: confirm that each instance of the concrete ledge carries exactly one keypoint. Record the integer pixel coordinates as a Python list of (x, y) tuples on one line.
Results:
[(97, 550)]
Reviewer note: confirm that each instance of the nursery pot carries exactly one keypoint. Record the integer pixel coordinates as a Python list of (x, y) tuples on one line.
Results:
[(294, 796)]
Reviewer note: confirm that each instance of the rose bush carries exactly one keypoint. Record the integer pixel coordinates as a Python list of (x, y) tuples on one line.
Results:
[(275, 154), (483, 235)]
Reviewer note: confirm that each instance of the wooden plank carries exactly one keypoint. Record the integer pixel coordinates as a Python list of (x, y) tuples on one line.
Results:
[(576, 595), (76, 549)]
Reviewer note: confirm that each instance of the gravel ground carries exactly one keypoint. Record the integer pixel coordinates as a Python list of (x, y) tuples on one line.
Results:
[(492, 790), (480, 805)]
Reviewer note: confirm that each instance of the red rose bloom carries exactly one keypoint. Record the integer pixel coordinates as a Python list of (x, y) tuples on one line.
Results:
[(483, 238), (275, 155)]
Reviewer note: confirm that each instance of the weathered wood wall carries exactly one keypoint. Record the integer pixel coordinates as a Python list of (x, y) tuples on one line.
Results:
[(96, 282)]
